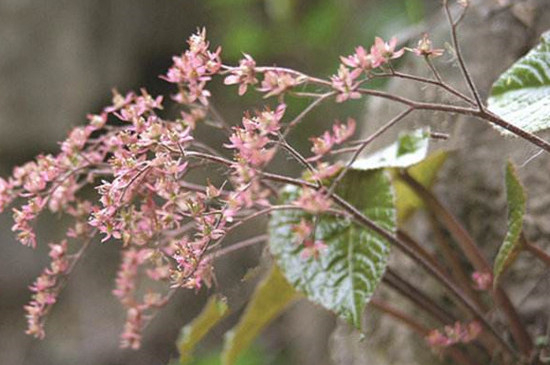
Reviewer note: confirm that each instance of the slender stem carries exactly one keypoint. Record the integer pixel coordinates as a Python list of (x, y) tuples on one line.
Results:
[(400, 316), (290, 71), (239, 245), (453, 261), (480, 114), (417, 296), (404, 236), (474, 255), (536, 251), (433, 69), (308, 109), (301, 159), (438, 83), (458, 53), (487, 115)]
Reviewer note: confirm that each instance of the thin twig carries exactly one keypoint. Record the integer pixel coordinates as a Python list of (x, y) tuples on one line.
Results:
[(239, 245), (400, 316), (418, 297), (458, 53)]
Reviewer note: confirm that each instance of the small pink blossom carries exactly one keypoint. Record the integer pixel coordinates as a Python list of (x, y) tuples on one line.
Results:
[(119, 101), (482, 280), (359, 60), (344, 83), (131, 337), (457, 333), (425, 49), (302, 231), (243, 75), (322, 144), (324, 170), (342, 132), (312, 249), (382, 51), (6, 193), (313, 201), (277, 82)]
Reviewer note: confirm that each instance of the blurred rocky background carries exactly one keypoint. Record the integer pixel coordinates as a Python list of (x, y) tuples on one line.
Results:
[(59, 59)]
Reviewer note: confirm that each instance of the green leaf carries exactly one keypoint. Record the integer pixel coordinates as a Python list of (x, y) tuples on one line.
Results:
[(344, 276), (425, 172), (215, 309), (516, 209), (270, 298), (521, 95), (409, 149)]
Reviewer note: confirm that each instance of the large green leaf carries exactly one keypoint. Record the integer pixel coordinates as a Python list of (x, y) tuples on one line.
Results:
[(270, 298), (409, 149), (516, 209), (215, 309), (521, 95), (425, 172), (345, 275)]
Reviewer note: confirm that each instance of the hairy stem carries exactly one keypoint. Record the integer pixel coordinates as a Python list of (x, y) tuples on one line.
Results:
[(418, 297), (475, 256)]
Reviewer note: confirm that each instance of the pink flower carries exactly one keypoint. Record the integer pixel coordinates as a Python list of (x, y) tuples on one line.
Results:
[(344, 83), (359, 60), (326, 170), (322, 144), (343, 131), (382, 52), (6, 194), (482, 280), (244, 75), (277, 82), (302, 231), (457, 333), (424, 48), (119, 101), (312, 249), (131, 337), (313, 201)]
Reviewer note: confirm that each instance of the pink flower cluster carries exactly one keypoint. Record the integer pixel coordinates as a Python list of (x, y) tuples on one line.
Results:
[(458, 333), (244, 75), (139, 163), (324, 144), (251, 140), (277, 82), (346, 81), (193, 69), (45, 289)]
